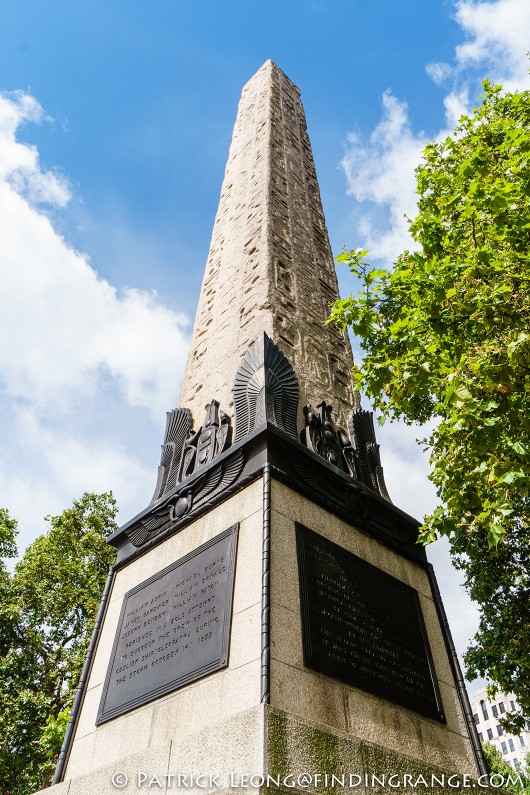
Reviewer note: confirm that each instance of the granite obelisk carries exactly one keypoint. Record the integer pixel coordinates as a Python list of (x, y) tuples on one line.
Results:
[(270, 622), (270, 266)]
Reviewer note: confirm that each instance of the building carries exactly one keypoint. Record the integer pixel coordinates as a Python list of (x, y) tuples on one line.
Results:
[(488, 714)]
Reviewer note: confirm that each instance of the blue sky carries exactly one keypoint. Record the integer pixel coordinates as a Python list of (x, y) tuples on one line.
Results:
[(115, 123)]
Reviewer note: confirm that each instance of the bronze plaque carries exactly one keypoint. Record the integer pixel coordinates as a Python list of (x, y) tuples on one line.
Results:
[(364, 627), (174, 628)]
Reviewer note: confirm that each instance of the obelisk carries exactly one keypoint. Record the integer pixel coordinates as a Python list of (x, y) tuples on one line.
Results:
[(270, 266), (270, 622)]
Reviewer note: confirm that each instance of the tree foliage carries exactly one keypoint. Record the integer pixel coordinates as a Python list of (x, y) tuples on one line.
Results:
[(447, 338), (497, 766), (47, 612)]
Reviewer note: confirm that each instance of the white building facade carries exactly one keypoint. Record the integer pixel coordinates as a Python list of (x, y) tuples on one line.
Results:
[(488, 714)]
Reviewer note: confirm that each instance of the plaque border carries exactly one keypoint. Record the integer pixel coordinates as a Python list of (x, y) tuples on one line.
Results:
[(198, 673), (312, 659)]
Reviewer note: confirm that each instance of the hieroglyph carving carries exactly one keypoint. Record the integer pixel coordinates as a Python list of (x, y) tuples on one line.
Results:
[(188, 500), (178, 425), (210, 441)]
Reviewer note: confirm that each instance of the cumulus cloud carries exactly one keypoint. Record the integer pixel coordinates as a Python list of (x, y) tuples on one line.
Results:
[(68, 328), (497, 36), (55, 464), (379, 167), (19, 162), (380, 171), (439, 72), (76, 349)]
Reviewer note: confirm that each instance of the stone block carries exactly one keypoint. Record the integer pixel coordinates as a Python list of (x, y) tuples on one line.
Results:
[(122, 737), (284, 567), (80, 757), (57, 789), (377, 720), (241, 689), (245, 640), (247, 586), (381, 763), (436, 641), (286, 635), (453, 709), (105, 643), (234, 744), (446, 749), (89, 711), (189, 710), (308, 695), (298, 747), (110, 779)]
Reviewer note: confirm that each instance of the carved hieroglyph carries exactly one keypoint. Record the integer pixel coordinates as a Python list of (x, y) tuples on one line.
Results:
[(270, 267)]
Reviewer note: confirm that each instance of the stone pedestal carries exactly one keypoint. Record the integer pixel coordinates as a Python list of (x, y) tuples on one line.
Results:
[(311, 723)]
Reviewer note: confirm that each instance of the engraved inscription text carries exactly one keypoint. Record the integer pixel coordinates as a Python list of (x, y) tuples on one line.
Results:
[(363, 626), (173, 628)]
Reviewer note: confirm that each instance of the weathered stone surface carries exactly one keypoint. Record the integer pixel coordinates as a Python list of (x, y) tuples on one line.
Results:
[(295, 747), (315, 697), (219, 695), (270, 266)]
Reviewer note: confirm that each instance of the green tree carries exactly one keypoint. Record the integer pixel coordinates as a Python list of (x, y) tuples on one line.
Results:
[(497, 766), (49, 605), (447, 338)]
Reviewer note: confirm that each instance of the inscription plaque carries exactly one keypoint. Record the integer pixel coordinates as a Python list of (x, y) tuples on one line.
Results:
[(173, 629), (364, 627)]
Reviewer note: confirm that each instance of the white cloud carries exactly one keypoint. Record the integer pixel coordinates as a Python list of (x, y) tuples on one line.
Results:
[(439, 72), (19, 163), (456, 104), (55, 465), (379, 168), (381, 171), (380, 174), (498, 39), (67, 327), (75, 349)]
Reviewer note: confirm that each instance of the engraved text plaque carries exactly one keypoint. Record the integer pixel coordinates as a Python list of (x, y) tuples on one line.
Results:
[(364, 627), (173, 629)]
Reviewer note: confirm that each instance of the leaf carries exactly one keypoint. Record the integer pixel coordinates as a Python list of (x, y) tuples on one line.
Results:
[(458, 396), (459, 425), (511, 477)]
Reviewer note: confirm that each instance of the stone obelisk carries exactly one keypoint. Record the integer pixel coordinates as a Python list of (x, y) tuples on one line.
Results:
[(270, 622), (270, 267)]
